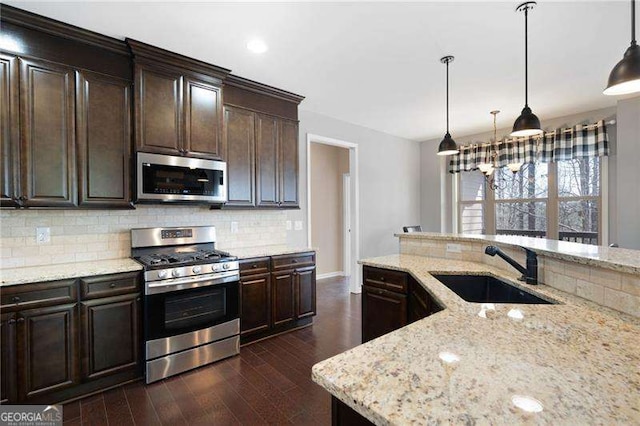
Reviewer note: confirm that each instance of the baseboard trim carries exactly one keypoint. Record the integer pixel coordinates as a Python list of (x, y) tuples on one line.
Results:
[(330, 275)]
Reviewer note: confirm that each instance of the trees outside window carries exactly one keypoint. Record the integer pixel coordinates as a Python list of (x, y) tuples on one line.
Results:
[(560, 200)]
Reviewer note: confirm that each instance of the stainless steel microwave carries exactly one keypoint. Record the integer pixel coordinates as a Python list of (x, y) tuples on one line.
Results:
[(168, 178)]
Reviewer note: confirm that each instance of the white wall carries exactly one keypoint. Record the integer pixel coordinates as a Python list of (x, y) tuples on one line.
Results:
[(618, 226), (328, 165), (389, 182), (626, 214)]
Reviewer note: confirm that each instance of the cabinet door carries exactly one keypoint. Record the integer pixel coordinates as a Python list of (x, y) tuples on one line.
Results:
[(382, 312), (104, 140), (47, 120), (47, 350), (110, 335), (202, 124), (288, 163), (240, 140), (158, 110), (7, 358), (256, 303), (267, 176), (283, 297), (305, 280), (9, 131)]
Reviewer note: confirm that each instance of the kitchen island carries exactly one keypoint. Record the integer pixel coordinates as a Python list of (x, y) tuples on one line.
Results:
[(473, 363)]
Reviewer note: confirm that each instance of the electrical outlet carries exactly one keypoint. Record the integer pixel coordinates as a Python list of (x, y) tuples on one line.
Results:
[(289, 227), (234, 227), (454, 248), (43, 235), (298, 225)]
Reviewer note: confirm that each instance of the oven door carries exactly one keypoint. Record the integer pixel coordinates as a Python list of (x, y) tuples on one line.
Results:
[(169, 178), (177, 312)]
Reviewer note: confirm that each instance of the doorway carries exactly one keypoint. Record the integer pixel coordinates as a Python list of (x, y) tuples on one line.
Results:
[(332, 207)]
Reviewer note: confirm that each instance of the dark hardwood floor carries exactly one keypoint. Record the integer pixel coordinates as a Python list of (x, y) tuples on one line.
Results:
[(268, 383)]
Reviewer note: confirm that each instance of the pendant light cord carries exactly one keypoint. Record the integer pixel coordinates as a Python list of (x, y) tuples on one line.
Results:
[(633, 22), (526, 57), (447, 97)]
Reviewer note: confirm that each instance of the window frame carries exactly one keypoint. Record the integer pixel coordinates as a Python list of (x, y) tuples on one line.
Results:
[(489, 203)]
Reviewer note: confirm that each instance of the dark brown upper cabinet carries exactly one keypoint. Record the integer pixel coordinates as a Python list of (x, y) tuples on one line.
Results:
[(239, 128), (103, 140), (267, 118), (9, 131), (47, 120), (267, 176), (177, 104), (66, 115)]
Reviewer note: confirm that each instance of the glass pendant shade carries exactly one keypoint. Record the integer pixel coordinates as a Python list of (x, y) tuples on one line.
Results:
[(448, 146), (625, 76), (527, 124), (515, 167), (486, 169)]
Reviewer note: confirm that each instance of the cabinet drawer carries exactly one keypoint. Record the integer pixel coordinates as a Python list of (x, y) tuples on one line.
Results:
[(109, 285), (293, 261), (26, 296), (385, 279), (254, 266)]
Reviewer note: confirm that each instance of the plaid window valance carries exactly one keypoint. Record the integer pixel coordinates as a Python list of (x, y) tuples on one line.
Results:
[(562, 144)]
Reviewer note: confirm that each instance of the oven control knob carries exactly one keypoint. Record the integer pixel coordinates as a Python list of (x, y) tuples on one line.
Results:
[(162, 274), (175, 273), (225, 266), (197, 269)]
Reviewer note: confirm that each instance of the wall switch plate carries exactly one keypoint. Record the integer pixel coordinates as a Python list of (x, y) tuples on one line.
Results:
[(298, 225), (234, 227), (289, 227), (43, 235), (454, 248)]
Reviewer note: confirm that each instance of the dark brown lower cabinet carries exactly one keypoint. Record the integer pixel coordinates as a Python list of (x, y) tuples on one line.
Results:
[(278, 293), (305, 283), (256, 303), (283, 300), (391, 300), (47, 351), (57, 345), (110, 335), (7, 358), (382, 312), (343, 415)]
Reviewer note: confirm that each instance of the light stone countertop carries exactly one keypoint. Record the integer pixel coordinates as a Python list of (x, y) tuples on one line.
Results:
[(580, 360), (619, 259), (249, 253), (33, 274)]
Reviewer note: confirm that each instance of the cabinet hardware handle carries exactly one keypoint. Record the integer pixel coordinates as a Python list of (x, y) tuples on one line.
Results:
[(16, 299), (20, 319), (137, 299), (381, 278), (254, 266), (11, 321), (112, 285), (294, 261)]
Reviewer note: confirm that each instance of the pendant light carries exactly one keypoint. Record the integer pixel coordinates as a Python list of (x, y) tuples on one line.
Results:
[(448, 145), (625, 76), (528, 124)]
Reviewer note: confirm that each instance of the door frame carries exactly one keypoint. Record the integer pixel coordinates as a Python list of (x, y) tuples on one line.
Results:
[(354, 195)]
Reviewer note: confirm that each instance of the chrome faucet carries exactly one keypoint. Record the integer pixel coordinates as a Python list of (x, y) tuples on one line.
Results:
[(529, 274)]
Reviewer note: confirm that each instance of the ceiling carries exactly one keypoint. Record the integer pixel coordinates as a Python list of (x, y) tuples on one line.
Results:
[(377, 64)]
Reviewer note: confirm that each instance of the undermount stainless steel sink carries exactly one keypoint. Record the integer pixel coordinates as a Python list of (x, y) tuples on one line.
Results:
[(487, 289)]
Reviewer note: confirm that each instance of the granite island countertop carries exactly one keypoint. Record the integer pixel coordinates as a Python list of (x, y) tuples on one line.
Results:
[(34, 274), (579, 360)]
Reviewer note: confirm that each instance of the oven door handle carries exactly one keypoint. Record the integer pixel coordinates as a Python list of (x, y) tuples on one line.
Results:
[(155, 287)]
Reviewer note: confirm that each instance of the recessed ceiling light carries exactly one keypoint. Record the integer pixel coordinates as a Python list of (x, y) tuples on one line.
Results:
[(257, 46), (448, 357)]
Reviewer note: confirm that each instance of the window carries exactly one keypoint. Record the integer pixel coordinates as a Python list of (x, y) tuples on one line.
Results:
[(559, 200)]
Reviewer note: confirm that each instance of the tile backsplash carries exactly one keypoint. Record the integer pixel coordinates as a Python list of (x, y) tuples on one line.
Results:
[(85, 235)]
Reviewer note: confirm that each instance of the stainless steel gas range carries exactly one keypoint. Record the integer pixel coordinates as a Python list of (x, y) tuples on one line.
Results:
[(191, 303)]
